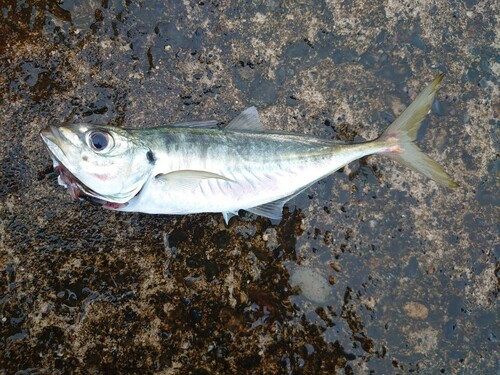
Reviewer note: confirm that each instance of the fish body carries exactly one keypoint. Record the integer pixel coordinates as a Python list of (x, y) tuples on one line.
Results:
[(196, 167), (255, 168)]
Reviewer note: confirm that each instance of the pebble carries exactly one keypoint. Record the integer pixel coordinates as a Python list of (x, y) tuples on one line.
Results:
[(312, 285), (416, 310)]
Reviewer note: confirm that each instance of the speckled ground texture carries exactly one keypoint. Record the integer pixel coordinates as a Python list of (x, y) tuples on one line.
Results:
[(405, 273)]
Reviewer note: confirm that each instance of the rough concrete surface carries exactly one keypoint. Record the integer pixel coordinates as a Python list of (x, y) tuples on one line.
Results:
[(373, 270)]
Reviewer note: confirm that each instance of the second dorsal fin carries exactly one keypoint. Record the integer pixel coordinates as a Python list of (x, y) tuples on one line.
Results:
[(247, 120)]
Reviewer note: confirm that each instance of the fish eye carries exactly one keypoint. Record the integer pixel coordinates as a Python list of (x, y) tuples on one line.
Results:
[(100, 141)]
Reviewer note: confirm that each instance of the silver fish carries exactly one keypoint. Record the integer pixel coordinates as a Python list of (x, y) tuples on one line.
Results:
[(196, 167)]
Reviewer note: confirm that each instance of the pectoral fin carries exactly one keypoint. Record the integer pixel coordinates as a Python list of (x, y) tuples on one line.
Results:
[(188, 179)]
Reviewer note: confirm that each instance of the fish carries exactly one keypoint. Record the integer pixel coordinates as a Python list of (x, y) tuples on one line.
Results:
[(199, 167)]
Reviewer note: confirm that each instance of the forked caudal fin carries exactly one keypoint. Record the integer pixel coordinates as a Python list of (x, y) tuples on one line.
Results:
[(399, 138)]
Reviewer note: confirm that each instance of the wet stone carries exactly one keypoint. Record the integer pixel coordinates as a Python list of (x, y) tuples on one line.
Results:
[(417, 41), (263, 92), (456, 306), (472, 75), (211, 270), (374, 269), (297, 50), (412, 270), (246, 231), (222, 239), (450, 329)]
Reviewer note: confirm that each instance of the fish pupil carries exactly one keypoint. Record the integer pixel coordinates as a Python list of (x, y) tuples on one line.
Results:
[(99, 141)]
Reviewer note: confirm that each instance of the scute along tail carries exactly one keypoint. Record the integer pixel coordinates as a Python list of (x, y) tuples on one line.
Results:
[(399, 138)]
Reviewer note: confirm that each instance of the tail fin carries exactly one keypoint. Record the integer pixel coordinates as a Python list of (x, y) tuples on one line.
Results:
[(400, 136)]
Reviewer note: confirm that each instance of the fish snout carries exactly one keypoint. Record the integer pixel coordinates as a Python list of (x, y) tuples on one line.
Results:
[(51, 134)]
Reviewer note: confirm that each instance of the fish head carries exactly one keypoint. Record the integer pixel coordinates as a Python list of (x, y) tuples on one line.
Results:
[(104, 164)]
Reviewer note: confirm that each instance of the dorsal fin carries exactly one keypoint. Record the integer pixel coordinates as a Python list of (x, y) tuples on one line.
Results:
[(246, 120), (196, 124)]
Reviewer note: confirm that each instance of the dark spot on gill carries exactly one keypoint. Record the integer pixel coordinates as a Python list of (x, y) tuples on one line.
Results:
[(151, 157)]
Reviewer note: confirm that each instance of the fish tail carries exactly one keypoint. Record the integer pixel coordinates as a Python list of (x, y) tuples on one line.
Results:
[(398, 140)]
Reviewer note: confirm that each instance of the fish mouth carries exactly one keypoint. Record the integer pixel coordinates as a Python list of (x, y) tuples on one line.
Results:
[(79, 191), (53, 138)]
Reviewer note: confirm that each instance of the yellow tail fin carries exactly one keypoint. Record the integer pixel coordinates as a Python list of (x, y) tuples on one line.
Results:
[(400, 137)]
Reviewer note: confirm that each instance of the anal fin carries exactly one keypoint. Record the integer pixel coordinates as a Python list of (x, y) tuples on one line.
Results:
[(274, 209), (271, 210)]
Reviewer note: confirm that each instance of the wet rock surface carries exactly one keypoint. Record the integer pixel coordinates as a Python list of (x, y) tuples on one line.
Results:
[(407, 271)]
